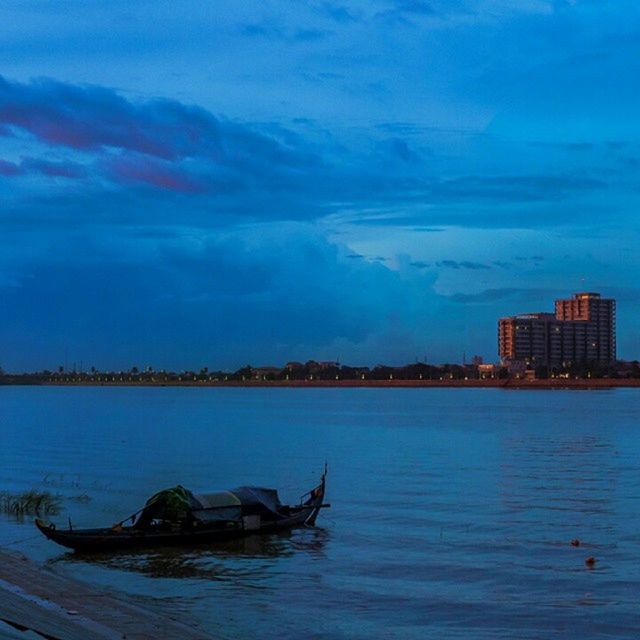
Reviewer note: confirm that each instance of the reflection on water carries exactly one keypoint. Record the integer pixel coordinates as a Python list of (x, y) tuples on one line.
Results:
[(452, 509), (246, 561), (554, 473)]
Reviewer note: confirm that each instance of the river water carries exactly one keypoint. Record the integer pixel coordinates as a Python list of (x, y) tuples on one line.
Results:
[(452, 509)]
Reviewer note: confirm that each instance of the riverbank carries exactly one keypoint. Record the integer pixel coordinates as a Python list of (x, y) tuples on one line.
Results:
[(511, 383), (33, 598)]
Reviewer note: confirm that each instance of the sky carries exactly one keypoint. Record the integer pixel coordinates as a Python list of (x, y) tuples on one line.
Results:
[(227, 183)]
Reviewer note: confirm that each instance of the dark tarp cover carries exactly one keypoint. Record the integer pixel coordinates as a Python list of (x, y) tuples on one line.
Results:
[(179, 505), (258, 500)]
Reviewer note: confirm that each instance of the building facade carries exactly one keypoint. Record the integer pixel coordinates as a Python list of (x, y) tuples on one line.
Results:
[(581, 331)]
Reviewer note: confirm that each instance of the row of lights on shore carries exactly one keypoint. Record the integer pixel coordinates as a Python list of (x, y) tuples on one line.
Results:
[(209, 379)]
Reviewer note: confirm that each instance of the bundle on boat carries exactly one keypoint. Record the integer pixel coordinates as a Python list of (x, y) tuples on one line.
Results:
[(179, 516)]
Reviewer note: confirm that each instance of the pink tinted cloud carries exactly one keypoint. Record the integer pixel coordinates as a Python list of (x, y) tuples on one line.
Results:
[(92, 118), (143, 171)]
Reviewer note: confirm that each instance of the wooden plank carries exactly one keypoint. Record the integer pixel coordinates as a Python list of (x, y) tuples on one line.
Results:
[(38, 599)]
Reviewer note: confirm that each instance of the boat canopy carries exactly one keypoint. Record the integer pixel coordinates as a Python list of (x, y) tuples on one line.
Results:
[(178, 504)]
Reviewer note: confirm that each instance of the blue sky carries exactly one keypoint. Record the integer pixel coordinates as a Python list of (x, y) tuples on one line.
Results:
[(211, 184)]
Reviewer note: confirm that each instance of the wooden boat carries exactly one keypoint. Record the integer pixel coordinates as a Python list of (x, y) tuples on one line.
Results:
[(177, 516)]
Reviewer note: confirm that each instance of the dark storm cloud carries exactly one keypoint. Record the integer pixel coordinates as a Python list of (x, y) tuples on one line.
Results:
[(228, 295)]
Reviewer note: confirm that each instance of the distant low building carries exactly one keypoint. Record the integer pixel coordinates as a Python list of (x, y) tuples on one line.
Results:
[(265, 373), (487, 371)]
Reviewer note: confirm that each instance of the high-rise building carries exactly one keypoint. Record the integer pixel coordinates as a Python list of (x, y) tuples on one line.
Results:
[(582, 330), (594, 322)]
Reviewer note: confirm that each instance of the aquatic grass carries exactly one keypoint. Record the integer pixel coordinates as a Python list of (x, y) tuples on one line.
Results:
[(31, 502)]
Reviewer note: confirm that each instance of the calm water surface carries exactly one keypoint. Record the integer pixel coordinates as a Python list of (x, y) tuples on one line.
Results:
[(452, 511)]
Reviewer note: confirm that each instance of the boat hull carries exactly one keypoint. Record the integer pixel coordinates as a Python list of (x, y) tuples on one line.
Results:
[(115, 538)]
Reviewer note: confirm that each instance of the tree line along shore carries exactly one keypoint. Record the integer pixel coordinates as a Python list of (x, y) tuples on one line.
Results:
[(333, 375)]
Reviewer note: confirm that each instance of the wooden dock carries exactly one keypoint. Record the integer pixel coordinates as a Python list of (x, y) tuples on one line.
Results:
[(35, 598)]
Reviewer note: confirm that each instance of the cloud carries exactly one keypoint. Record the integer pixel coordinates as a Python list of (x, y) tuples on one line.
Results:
[(9, 168), (309, 35), (399, 149), (337, 12), (262, 31), (28, 165), (92, 118), (524, 188), (403, 11), (271, 32), (506, 293), (134, 169), (63, 169), (582, 147), (416, 7), (489, 295), (261, 170), (233, 298), (465, 264), (161, 145), (468, 11)]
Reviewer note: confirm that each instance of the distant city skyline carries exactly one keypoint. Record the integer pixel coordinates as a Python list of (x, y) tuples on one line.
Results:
[(376, 181)]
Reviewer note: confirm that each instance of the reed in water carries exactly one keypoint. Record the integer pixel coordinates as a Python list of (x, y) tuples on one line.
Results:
[(29, 503)]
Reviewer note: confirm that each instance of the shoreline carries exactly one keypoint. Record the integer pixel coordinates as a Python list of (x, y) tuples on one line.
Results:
[(34, 598), (542, 384)]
